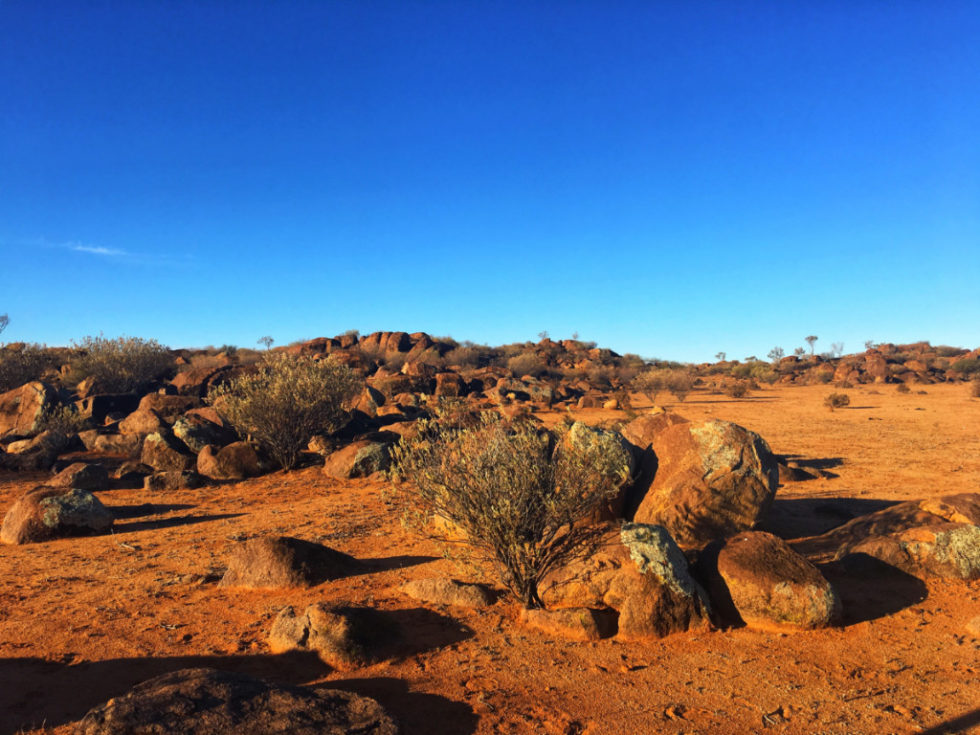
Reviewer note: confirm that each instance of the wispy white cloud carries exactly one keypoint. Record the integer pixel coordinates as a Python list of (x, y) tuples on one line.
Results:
[(97, 250)]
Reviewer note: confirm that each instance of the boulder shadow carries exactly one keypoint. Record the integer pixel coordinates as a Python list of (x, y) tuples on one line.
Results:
[(390, 563), (38, 693), (416, 712), (171, 522), (869, 588), (795, 518)]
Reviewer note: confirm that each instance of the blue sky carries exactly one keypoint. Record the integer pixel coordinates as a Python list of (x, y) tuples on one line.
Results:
[(670, 179)]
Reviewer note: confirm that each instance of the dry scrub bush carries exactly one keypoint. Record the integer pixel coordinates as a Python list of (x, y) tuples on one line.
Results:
[(122, 364), (21, 364), (287, 401), (527, 363), (738, 389), (519, 495), (651, 382), (837, 400), (65, 420), (975, 387)]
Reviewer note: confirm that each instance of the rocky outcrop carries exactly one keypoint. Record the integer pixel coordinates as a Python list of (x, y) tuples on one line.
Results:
[(22, 409), (359, 459)]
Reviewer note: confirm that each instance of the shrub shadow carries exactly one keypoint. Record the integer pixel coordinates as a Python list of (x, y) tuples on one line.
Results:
[(416, 712), (145, 509), (171, 522), (40, 693)]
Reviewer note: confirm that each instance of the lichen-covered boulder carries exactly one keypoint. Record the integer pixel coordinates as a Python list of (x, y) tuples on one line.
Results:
[(82, 475), (713, 479), (164, 453), (360, 459), (197, 432), (772, 587), (938, 537), (237, 461), (640, 573), (49, 512), (22, 409), (210, 702)]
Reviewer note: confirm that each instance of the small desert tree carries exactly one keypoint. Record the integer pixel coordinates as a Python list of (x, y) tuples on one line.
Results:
[(265, 341), (287, 401), (519, 495), (4, 321), (776, 354), (811, 340)]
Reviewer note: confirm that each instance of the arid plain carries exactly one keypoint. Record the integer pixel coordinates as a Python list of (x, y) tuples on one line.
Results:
[(84, 619)]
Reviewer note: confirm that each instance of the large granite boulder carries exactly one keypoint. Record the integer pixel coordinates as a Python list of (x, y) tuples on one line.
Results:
[(713, 479)]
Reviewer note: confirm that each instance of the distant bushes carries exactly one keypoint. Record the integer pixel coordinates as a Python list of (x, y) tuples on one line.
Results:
[(21, 364), (527, 363), (287, 401), (652, 382), (966, 366), (837, 400), (120, 365)]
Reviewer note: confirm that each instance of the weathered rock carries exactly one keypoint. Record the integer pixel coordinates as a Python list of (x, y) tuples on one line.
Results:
[(209, 702), (444, 591), (46, 513), (573, 623), (938, 537), (125, 445), (38, 453), (773, 587), (713, 479), (642, 574), (642, 430), (104, 406), (164, 453), (82, 475), (344, 637), (142, 421), (281, 561), (130, 474), (172, 480), (237, 461), (168, 406), (197, 432), (450, 384), (359, 459), (22, 409)]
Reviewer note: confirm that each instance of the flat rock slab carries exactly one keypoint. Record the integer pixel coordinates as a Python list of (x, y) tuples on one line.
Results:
[(282, 561), (210, 702)]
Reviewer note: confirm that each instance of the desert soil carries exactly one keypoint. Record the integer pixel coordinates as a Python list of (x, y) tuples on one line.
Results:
[(82, 620)]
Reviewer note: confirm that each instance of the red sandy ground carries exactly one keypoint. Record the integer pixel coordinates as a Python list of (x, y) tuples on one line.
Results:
[(82, 620)]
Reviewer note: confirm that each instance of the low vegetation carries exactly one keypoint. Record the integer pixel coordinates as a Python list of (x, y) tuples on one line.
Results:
[(21, 364), (517, 494), (837, 400), (286, 401), (120, 365)]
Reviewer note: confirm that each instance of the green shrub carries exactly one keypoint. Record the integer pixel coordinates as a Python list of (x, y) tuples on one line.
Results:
[(287, 401), (63, 419), (20, 364), (837, 400), (120, 365), (967, 366), (518, 494)]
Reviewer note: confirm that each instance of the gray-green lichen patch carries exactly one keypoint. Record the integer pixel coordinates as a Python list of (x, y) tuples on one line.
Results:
[(75, 509), (654, 552)]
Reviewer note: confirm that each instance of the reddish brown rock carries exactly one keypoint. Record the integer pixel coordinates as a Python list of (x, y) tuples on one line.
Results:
[(47, 513), (82, 475), (343, 637), (938, 537), (713, 479), (450, 384), (237, 461), (875, 365), (444, 591), (169, 407), (209, 702), (359, 459), (572, 623), (22, 409), (640, 573), (165, 454), (772, 587), (142, 421), (281, 561)]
